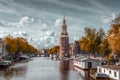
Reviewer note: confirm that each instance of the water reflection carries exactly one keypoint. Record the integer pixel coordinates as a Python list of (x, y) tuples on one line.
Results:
[(42, 69), (14, 72), (83, 73), (64, 68)]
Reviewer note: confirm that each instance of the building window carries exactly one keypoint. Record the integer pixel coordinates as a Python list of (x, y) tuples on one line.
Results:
[(115, 74), (109, 72)]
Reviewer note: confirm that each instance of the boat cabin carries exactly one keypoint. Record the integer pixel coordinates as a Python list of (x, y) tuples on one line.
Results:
[(86, 63), (5, 64), (112, 72)]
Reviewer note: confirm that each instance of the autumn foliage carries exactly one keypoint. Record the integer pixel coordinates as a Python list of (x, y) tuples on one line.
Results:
[(54, 50), (18, 45), (95, 41), (114, 36), (92, 40)]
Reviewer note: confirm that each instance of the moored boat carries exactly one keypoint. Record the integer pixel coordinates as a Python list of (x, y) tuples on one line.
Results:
[(101, 76), (5, 64)]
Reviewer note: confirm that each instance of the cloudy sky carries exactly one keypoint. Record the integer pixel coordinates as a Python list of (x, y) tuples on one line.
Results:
[(40, 20)]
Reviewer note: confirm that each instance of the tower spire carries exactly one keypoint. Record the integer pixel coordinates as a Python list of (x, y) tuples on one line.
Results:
[(64, 21), (64, 27)]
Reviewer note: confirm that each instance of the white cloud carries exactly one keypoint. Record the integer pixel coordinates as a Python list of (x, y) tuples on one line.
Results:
[(25, 20), (22, 23), (50, 33), (44, 27), (76, 38), (108, 19), (58, 23), (20, 33), (7, 24), (46, 39), (2, 33), (35, 39)]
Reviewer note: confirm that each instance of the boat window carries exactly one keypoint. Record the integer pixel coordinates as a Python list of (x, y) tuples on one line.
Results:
[(109, 71), (104, 70), (99, 69), (115, 74)]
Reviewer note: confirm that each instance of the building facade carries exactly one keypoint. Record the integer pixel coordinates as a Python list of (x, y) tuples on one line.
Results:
[(76, 48), (71, 50), (3, 51), (1, 47), (64, 41)]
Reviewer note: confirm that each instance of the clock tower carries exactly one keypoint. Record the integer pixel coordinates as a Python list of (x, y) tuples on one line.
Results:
[(64, 41)]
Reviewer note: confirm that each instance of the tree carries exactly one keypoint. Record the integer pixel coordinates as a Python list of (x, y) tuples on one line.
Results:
[(92, 39), (54, 49), (18, 45), (114, 35), (11, 45), (87, 41), (98, 39), (104, 48)]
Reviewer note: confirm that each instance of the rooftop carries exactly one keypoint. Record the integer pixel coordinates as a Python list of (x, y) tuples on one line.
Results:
[(86, 59), (111, 67)]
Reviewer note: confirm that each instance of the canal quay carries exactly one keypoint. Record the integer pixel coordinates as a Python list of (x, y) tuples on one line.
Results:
[(43, 68)]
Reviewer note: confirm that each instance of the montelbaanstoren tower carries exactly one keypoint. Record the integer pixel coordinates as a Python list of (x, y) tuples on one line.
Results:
[(64, 41)]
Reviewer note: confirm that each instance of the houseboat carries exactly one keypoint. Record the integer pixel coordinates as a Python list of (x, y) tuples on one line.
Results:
[(86, 63), (112, 72), (23, 58), (5, 64), (101, 76)]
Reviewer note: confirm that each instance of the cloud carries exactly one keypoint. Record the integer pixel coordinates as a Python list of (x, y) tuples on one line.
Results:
[(50, 33), (44, 27), (7, 6), (46, 39), (20, 33), (2, 33), (99, 5), (108, 19), (76, 38), (22, 23), (7, 24), (25, 20), (58, 23), (75, 6)]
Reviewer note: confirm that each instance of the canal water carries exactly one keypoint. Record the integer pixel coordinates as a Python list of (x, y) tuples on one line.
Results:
[(42, 68)]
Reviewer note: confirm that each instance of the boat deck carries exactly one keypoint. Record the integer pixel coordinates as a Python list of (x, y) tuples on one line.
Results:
[(93, 76)]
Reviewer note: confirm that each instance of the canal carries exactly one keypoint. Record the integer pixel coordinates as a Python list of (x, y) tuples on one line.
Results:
[(42, 68)]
